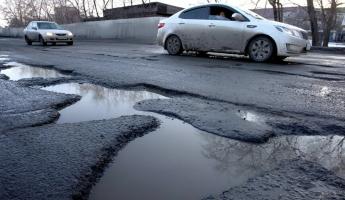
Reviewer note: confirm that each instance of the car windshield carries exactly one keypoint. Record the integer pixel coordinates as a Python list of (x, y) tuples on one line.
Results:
[(48, 25)]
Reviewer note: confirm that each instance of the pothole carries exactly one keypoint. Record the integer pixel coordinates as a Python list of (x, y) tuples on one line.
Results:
[(98, 102), (4, 58), (17, 71), (178, 161)]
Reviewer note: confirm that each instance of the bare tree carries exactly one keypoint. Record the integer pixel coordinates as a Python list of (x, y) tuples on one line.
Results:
[(95, 7), (328, 19), (313, 23), (18, 13), (277, 9)]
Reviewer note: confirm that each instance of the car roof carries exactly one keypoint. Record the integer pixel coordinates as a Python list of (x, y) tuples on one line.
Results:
[(214, 4), (43, 21)]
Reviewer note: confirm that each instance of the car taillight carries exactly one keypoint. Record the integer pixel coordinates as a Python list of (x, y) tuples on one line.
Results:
[(161, 25)]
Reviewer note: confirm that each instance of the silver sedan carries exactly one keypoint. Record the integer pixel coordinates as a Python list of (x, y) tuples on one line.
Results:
[(229, 29), (44, 32)]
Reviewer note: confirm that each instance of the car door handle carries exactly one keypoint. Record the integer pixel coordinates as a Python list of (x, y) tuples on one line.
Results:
[(181, 23), (252, 26), (211, 25)]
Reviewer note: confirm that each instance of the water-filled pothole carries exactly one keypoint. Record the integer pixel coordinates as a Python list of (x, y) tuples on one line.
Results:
[(170, 160), (4, 58), (178, 161), (19, 71), (99, 102)]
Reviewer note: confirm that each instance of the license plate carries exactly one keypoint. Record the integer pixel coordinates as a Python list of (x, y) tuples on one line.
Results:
[(61, 38)]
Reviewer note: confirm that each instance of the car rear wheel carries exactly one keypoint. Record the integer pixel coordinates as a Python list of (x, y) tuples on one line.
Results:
[(279, 58), (43, 43), (261, 49), (201, 53), (174, 45), (28, 41)]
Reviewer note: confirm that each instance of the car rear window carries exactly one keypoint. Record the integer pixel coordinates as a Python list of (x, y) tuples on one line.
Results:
[(197, 13)]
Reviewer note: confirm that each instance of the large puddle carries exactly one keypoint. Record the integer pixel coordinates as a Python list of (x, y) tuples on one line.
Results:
[(4, 58), (99, 102), (178, 161), (20, 71)]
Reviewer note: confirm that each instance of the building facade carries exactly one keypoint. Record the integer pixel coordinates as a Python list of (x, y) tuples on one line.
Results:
[(143, 10)]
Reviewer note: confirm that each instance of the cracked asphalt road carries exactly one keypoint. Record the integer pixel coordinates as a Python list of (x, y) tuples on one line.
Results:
[(308, 89), (306, 85)]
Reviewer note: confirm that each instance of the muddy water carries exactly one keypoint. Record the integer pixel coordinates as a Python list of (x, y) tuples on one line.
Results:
[(178, 161), (20, 71)]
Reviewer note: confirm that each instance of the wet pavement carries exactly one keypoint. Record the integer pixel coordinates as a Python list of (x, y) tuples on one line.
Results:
[(202, 164), (177, 160)]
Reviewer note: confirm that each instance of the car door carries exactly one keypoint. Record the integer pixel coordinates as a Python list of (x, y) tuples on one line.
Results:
[(192, 28), (225, 32), (27, 30), (33, 32)]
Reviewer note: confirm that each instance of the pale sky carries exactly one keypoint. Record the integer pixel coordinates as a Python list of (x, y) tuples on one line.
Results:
[(186, 3)]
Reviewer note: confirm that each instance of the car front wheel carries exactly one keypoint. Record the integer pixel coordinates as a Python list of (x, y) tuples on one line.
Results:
[(43, 43), (261, 49), (174, 45), (28, 41)]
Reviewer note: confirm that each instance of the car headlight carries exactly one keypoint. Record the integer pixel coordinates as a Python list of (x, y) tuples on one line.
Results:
[(70, 34), (289, 31), (49, 34)]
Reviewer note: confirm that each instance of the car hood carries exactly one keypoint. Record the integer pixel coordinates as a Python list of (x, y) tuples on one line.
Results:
[(55, 31), (286, 25)]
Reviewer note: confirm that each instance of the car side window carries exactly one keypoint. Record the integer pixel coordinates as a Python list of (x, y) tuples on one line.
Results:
[(197, 13), (33, 25), (220, 13)]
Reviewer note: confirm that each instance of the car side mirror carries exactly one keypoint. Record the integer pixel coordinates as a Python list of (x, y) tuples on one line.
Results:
[(238, 17), (34, 28)]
